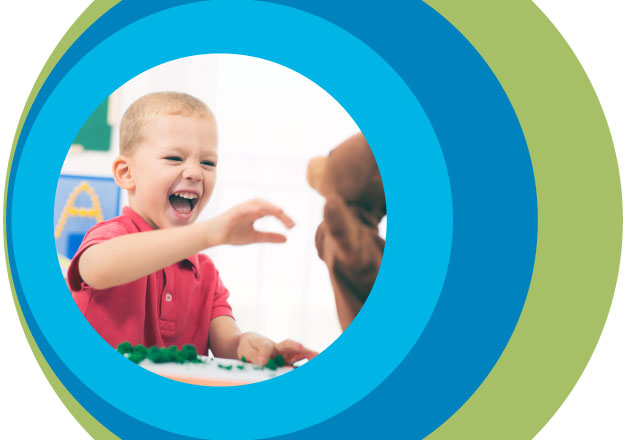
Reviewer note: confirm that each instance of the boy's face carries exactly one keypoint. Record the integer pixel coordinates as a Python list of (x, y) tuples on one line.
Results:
[(173, 169)]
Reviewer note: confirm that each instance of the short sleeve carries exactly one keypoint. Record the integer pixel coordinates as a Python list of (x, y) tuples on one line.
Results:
[(221, 307), (99, 233)]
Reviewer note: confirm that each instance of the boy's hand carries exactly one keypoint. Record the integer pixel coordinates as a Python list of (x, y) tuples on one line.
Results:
[(259, 349), (236, 226), (293, 351)]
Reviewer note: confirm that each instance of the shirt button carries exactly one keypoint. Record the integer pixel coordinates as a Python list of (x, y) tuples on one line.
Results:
[(168, 297)]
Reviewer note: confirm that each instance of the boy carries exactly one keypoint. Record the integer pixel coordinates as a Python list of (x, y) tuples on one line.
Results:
[(139, 277)]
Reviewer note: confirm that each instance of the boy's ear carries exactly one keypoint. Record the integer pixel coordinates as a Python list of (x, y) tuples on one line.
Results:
[(122, 173)]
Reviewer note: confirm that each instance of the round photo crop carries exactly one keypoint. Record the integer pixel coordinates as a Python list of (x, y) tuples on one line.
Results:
[(190, 142)]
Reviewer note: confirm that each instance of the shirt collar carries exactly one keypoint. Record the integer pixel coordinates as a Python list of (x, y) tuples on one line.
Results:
[(140, 223), (143, 226)]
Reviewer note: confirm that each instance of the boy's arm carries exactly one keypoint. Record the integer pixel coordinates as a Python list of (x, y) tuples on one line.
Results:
[(126, 258), (223, 337), (226, 341), (123, 259)]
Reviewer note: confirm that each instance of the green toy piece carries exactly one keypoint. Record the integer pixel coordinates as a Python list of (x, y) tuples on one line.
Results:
[(189, 352), (140, 349), (164, 355), (174, 354), (124, 347), (137, 356), (155, 354), (272, 363), (159, 354), (280, 360)]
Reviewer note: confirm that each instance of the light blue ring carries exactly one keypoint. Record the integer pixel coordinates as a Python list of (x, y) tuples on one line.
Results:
[(401, 138)]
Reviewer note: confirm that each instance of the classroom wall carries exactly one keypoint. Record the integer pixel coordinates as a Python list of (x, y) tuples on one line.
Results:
[(271, 122)]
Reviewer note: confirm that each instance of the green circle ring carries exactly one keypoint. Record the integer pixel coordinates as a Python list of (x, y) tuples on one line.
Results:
[(579, 219)]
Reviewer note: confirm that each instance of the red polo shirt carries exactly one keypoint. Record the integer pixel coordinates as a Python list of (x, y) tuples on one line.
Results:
[(173, 306)]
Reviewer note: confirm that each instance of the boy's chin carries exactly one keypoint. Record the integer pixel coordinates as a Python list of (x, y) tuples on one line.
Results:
[(175, 219)]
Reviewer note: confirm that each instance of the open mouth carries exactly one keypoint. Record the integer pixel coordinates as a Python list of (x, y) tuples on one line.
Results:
[(183, 202)]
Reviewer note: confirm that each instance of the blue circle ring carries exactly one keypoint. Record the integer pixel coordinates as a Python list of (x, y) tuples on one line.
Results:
[(131, 401)]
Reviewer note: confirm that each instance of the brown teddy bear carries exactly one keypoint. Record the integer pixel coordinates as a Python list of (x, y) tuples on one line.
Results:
[(348, 240)]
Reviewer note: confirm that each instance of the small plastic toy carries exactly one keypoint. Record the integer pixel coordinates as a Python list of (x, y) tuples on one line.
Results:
[(124, 347)]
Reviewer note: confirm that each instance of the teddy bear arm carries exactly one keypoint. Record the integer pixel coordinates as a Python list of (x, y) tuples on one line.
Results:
[(358, 282), (347, 305), (320, 236), (347, 232)]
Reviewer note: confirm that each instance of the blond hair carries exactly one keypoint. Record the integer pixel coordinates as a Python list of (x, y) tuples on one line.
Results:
[(146, 108)]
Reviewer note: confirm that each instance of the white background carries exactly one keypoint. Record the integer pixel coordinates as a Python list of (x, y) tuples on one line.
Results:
[(29, 32)]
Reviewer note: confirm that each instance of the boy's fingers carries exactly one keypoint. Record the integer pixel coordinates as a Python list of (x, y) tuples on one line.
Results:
[(285, 219), (290, 359), (270, 209), (263, 350), (303, 354), (289, 345), (311, 354), (270, 237), (294, 351)]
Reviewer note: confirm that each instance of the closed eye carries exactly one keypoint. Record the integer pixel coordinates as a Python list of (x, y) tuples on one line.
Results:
[(174, 158), (209, 163)]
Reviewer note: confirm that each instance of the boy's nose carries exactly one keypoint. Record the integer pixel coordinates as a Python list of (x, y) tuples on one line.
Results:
[(192, 172)]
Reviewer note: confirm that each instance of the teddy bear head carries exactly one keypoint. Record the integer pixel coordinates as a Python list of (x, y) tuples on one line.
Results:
[(351, 173)]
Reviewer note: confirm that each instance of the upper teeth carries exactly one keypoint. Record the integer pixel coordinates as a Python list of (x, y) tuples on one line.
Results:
[(186, 195)]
